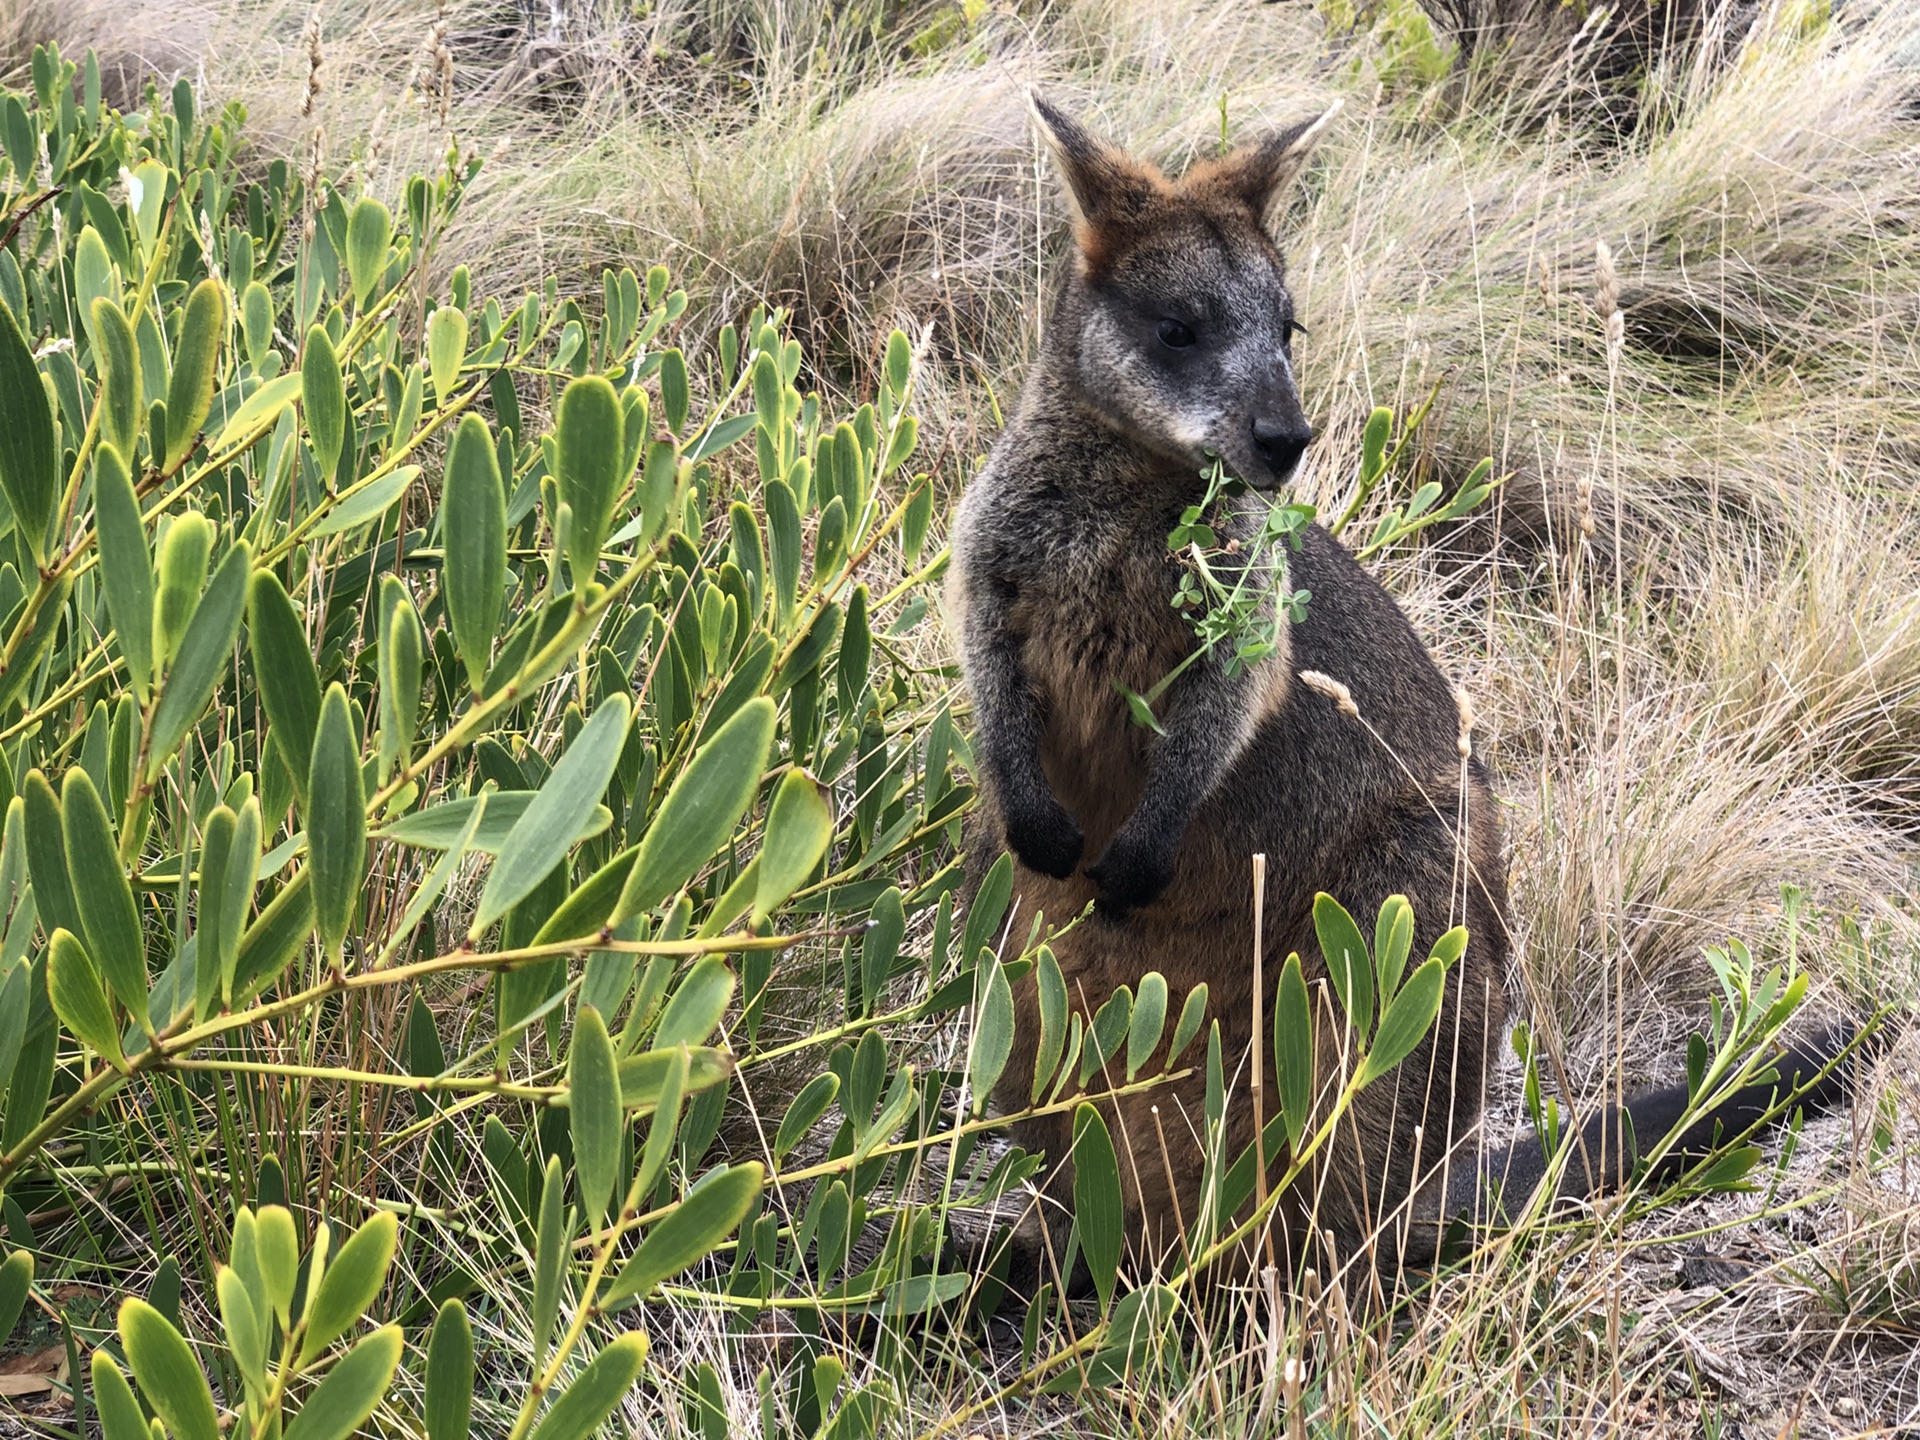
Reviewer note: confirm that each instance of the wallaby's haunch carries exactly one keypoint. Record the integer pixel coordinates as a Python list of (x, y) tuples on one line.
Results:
[(1170, 342)]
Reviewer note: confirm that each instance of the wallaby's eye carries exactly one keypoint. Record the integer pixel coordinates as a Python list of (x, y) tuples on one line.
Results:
[(1174, 335)]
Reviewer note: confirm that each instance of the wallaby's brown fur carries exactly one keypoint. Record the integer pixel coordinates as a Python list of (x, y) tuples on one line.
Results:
[(1170, 340)]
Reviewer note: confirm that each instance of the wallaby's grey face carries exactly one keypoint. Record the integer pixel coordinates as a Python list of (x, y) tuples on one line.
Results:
[(1186, 325)]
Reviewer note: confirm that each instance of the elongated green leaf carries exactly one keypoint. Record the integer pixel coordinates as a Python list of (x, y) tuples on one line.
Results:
[(1392, 942), (699, 1223), (210, 945), (473, 522), (367, 503), (1051, 990), (1193, 1014), (697, 1006), (196, 362), (234, 895), (121, 1417), (581, 1407), (440, 827), (16, 1279), (1097, 1209), (1410, 1015), (203, 654), (1149, 1019), (323, 400), (540, 839), (352, 1388), (552, 1241), (369, 228), (805, 1112), (256, 322), (401, 643), (283, 666), (26, 439), (245, 1336), (184, 547), (169, 1376), (446, 347), (352, 1280), (593, 1083), (799, 829), (126, 567), (74, 988), (93, 279), (666, 1121), (336, 822), (992, 1035), (702, 808), (592, 450), (278, 1246), (261, 409), (1293, 1050), (119, 364), (644, 1078), (449, 1398), (1348, 967), (45, 835), (108, 916), (15, 1001)]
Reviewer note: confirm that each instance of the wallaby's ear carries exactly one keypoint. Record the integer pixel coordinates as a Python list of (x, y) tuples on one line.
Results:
[(1260, 176), (1104, 186)]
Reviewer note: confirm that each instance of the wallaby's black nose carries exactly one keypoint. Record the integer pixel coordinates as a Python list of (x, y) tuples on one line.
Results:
[(1281, 444)]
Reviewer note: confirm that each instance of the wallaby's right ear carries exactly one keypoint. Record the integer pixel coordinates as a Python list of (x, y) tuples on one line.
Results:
[(1104, 187)]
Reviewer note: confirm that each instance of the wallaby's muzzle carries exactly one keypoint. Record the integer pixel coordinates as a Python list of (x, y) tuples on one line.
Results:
[(1278, 445)]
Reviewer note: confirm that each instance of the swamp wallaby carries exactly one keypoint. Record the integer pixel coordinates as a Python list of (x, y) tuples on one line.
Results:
[(1170, 342)]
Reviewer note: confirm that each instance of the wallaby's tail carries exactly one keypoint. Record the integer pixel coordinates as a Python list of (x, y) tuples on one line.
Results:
[(1816, 1074)]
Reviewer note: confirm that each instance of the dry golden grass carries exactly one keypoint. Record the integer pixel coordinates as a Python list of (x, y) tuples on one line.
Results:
[(1690, 625)]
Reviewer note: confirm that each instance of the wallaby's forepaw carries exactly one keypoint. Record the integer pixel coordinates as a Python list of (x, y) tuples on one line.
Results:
[(1048, 841), (1130, 874)]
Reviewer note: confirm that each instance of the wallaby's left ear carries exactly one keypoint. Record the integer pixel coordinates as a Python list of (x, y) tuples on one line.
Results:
[(1261, 175)]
